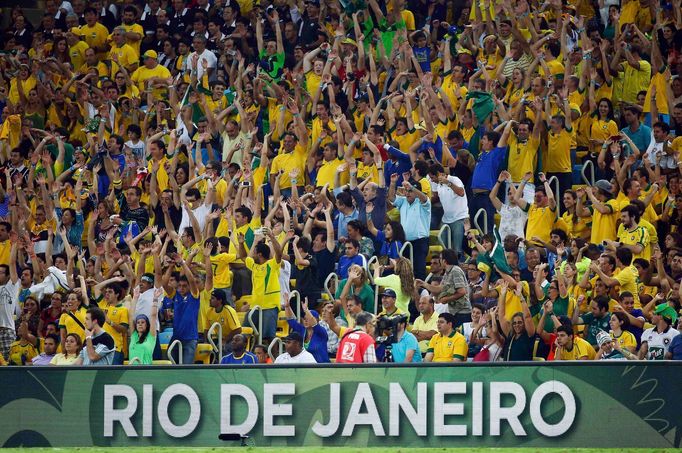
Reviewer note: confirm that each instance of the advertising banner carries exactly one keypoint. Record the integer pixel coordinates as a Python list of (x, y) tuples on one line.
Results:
[(526, 405)]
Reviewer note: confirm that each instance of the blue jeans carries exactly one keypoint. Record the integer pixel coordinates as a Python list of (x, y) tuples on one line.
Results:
[(118, 358), (420, 248), (479, 201), (456, 236), (189, 348), (270, 316)]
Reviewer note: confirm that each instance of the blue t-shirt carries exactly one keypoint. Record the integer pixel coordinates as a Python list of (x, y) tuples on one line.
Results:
[(318, 343), (345, 263), (246, 359), (423, 56), (487, 168), (636, 331), (407, 341), (185, 315), (675, 347), (390, 249)]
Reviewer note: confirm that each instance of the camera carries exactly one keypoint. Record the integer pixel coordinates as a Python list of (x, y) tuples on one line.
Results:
[(387, 326)]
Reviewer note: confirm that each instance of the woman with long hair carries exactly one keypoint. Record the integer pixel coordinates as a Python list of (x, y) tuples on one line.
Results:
[(391, 238), (519, 333), (72, 349), (402, 282), (603, 125), (60, 50), (578, 227), (142, 331), (619, 324)]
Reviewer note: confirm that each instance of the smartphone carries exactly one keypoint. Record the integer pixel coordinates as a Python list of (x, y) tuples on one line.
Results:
[(246, 184)]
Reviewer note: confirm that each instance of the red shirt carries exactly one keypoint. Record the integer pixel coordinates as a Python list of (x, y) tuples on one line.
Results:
[(353, 346)]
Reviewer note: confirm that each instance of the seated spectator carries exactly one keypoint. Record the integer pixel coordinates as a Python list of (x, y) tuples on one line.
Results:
[(50, 346), (572, 347), (239, 354), (295, 353), (447, 345), (72, 348), (99, 346)]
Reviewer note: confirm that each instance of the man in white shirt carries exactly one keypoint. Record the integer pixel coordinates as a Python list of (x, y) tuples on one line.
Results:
[(201, 53), (293, 344), (450, 190), (9, 302)]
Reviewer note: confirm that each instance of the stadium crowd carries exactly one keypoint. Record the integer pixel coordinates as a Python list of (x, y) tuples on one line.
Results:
[(346, 180)]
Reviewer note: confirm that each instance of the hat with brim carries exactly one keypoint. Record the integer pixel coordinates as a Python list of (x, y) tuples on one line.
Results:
[(604, 185), (294, 336), (151, 54), (349, 41), (666, 311), (389, 293)]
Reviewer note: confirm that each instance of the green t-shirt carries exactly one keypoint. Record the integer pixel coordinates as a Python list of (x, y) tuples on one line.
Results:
[(594, 325), (366, 295), (560, 308), (275, 63), (143, 351)]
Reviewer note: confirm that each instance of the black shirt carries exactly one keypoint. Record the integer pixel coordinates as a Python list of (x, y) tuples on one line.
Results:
[(325, 264)]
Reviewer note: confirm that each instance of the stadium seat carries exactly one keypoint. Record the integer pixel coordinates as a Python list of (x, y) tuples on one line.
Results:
[(240, 303), (161, 362), (165, 337), (203, 354), (282, 325)]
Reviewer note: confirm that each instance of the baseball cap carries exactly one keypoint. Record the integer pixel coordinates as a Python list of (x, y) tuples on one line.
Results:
[(603, 337), (315, 314), (349, 41), (389, 293), (604, 185), (294, 336), (220, 295), (151, 54), (666, 311), (149, 278)]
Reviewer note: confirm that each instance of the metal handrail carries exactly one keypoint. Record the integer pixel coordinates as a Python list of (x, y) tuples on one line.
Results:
[(485, 220), (330, 277), (555, 182), (209, 337), (170, 349), (370, 274), (402, 251), (428, 277), (588, 164), (135, 360), (258, 330), (298, 302), (449, 236), (280, 344)]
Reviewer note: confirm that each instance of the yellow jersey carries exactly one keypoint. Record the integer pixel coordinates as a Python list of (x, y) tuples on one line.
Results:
[(604, 225), (523, 156), (627, 280), (265, 279), (286, 162), (226, 317), (222, 275), (540, 221), (444, 349), (118, 314), (67, 322), (559, 152), (638, 235), (581, 349), (142, 74)]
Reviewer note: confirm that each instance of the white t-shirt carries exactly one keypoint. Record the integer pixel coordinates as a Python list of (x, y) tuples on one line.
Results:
[(205, 55), (144, 305), (454, 207), (303, 357), (137, 148), (512, 221), (201, 213), (658, 342), (9, 304)]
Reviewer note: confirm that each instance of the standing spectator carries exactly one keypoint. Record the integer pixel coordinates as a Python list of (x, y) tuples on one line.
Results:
[(415, 217), (519, 333), (265, 278), (598, 320), (447, 345), (493, 150), (357, 345), (99, 346), (310, 330), (402, 283), (453, 289), (143, 330), (542, 213), (351, 257), (9, 302), (450, 190), (185, 300)]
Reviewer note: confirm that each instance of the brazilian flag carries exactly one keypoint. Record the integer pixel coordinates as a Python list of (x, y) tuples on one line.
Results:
[(486, 262)]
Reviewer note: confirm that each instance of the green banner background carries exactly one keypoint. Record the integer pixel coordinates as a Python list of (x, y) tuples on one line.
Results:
[(617, 404)]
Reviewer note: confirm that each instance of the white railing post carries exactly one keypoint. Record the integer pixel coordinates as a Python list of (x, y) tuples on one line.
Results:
[(219, 347), (296, 294), (370, 274), (329, 278), (485, 221), (170, 349), (588, 165), (554, 181), (280, 345), (259, 328), (402, 251), (135, 360), (443, 229)]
